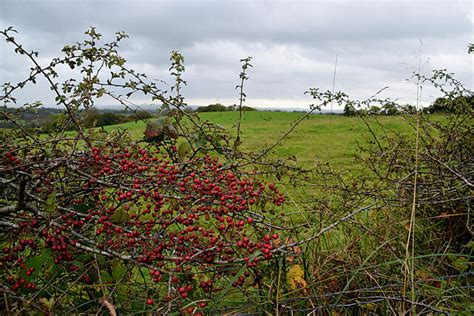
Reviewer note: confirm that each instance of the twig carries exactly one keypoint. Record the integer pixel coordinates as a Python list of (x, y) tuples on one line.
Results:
[(324, 230)]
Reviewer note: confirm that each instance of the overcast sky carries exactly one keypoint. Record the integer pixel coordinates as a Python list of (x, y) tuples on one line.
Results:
[(293, 43)]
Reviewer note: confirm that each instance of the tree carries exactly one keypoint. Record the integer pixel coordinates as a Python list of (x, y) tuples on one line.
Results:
[(246, 108), (374, 110), (217, 107), (349, 110), (390, 108), (451, 105), (90, 117), (409, 109)]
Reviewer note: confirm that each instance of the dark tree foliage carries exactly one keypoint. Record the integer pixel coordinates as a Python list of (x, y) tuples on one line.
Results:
[(451, 105), (217, 107)]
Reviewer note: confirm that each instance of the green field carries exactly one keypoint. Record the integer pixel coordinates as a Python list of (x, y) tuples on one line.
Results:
[(327, 138)]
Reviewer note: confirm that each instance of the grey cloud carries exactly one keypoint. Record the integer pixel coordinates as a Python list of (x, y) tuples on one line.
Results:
[(293, 42)]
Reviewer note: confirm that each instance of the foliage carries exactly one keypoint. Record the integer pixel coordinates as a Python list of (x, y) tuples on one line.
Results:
[(217, 107), (451, 105), (390, 108), (30, 117), (349, 110), (374, 110), (92, 117)]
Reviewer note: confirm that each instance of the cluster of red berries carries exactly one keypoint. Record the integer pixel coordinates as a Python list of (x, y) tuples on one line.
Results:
[(180, 217), (12, 158)]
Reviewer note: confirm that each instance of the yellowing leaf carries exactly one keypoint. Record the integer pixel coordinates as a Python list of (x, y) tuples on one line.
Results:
[(422, 274), (369, 306), (295, 277), (461, 263), (50, 204), (48, 303)]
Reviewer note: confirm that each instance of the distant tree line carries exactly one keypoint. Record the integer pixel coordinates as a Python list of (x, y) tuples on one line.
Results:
[(30, 118), (217, 107), (95, 118), (445, 105), (49, 119), (388, 108), (440, 105)]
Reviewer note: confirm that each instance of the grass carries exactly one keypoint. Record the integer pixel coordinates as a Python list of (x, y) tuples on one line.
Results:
[(327, 138)]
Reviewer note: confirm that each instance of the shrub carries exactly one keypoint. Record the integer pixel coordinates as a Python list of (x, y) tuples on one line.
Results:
[(162, 225)]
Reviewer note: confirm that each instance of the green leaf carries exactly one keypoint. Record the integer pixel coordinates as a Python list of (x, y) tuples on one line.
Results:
[(120, 216), (48, 303), (118, 271), (41, 262), (83, 208), (184, 151), (241, 271), (219, 148), (100, 92), (51, 203)]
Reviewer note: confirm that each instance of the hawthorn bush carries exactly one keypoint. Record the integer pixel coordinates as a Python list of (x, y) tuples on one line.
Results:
[(176, 220), (160, 225)]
